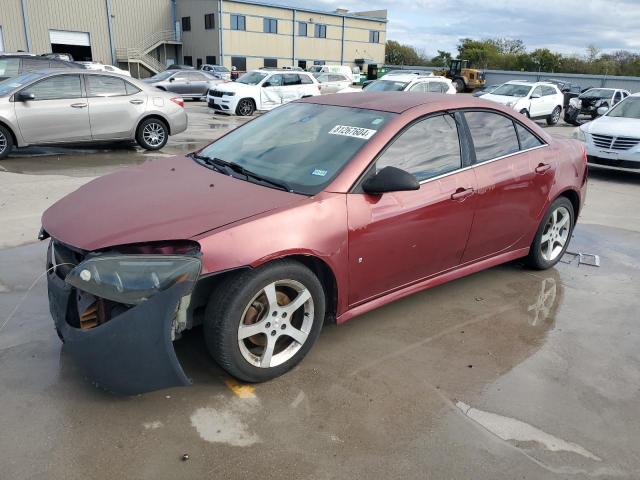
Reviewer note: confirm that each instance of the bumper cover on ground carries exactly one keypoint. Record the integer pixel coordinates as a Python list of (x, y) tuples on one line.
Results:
[(130, 354)]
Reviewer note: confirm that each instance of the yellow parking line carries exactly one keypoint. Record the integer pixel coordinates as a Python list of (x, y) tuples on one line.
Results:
[(241, 390)]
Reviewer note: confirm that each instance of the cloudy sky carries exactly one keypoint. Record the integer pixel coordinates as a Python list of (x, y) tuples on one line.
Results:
[(566, 26)]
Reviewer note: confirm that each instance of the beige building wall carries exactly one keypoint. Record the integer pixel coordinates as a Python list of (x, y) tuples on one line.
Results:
[(73, 15), (136, 22), (12, 26), (199, 42)]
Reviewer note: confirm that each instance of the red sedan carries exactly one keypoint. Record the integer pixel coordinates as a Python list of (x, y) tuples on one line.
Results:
[(324, 208)]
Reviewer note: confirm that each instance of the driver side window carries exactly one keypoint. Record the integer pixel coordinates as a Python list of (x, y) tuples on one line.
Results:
[(426, 149), (418, 87), (537, 92)]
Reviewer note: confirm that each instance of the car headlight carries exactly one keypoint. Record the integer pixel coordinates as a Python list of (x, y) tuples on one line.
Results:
[(511, 104), (132, 279), (578, 134), (228, 94)]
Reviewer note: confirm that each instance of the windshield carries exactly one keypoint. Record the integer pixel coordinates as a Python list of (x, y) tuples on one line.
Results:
[(386, 86), (628, 108), (220, 69), (597, 93), (9, 85), (158, 77), (251, 78), (512, 90), (320, 141)]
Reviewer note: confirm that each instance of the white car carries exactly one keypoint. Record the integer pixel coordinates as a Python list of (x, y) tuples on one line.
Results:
[(536, 100), (332, 82), (105, 68), (352, 73), (407, 82), (261, 90), (613, 140)]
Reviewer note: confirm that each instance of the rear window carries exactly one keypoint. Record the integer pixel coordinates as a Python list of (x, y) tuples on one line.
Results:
[(493, 135), (527, 139), (386, 86)]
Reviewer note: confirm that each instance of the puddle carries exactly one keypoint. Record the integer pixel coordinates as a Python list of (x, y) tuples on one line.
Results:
[(226, 424)]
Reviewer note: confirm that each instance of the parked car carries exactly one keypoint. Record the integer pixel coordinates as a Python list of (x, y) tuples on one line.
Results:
[(536, 100), (613, 140), (295, 69), (261, 90), (588, 103), (478, 92), (332, 82), (407, 82), (352, 73), (104, 68), (14, 64), (323, 209), (217, 71), (75, 106), (176, 66), (186, 83)]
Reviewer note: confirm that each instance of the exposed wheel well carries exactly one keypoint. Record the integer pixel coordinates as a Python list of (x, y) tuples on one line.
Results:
[(157, 117), (13, 135), (573, 197)]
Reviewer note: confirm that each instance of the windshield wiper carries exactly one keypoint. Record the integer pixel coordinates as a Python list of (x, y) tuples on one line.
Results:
[(227, 167)]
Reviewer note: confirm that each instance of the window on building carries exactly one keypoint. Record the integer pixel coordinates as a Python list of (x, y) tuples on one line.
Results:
[(209, 21), (186, 24), (321, 31), (240, 63), (270, 25), (302, 29), (188, 60), (493, 135), (198, 62), (271, 62), (238, 22), (62, 86), (103, 86), (374, 36), (211, 59)]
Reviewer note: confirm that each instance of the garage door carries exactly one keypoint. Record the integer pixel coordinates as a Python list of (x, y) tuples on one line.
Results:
[(64, 37)]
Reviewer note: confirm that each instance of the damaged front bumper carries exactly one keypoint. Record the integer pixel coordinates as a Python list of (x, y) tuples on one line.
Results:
[(133, 351)]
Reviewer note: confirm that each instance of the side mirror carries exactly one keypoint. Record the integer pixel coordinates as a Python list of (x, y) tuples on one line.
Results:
[(172, 79), (602, 110), (536, 95), (390, 179), (26, 96)]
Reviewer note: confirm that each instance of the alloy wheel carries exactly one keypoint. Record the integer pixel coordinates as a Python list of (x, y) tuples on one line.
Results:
[(555, 234), (555, 117), (245, 107), (3, 143), (153, 134), (276, 323)]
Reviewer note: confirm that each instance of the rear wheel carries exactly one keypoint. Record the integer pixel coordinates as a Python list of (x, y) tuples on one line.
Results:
[(152, 134), (6, 142), (245, 107), (553, 235), (262, 322), (555, 116)]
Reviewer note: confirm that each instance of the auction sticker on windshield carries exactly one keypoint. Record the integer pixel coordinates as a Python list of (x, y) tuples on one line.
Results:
[(356, 132)]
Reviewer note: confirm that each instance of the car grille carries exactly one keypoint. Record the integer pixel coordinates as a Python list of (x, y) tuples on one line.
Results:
[(215, 93), (614, 143)]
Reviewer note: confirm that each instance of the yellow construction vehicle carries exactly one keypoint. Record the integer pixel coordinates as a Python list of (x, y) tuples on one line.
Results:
[(464, 78)]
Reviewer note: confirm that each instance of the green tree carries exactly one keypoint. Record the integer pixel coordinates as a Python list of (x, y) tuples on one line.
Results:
[(399, 54), (443, 59)]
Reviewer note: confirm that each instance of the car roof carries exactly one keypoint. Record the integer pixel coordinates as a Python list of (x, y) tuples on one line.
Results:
[(280, 70), (399, 102)]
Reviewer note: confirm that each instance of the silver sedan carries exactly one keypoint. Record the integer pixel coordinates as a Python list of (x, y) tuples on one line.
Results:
[(186, 83), (75, 106)]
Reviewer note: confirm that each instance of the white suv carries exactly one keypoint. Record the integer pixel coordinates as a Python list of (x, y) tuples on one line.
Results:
[(407, 82), (261, 90), (534, 99)]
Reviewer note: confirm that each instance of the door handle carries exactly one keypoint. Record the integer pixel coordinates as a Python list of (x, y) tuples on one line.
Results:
[(461, 193), (136, 102), (79, 105), (542, 167)]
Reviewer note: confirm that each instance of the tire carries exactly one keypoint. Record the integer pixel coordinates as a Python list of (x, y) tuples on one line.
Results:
[(554, 118), (459, 84), (6, 142), (525, 112), (152, 134), (552, 237), (245, 107), (242, 304)]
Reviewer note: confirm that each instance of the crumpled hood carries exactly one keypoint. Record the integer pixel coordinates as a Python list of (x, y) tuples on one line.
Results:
[(614, 126), (168, 199)]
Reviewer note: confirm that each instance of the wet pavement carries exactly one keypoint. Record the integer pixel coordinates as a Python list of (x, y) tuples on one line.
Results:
[(508, 373)]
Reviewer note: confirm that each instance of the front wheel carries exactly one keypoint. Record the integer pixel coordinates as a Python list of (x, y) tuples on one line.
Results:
[(245, 107), (152, 134), (459, 84), (6, 142), (262, 322), (553, 235), (525, 112), (554, 118)]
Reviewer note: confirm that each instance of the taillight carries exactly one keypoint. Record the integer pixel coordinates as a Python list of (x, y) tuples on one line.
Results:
[(178, 101)]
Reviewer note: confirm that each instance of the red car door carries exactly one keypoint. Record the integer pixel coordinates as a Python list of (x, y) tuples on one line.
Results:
[(514, 175), (398, 238)]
